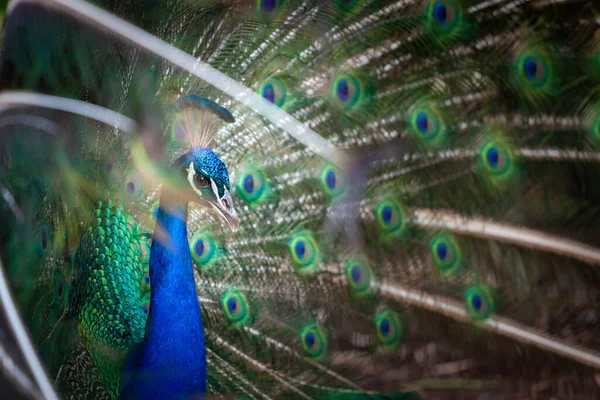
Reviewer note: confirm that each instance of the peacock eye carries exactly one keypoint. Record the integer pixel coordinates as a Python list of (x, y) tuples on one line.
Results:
[(496, 159), (200, 180), (440, 12), (425, 123), (480, 302), (202, 248), (226, 203), (333, 181), (270, 8), (274, 90), (269, 5), (236, 306), (314, 340), (444, 14), (146, 307), (358, 275), (133, 188), (390, 216), (145, 284), (446, 254), (389, 328), (251, 185), (43, 241), (534, 69), (347, 91), (303, 249)]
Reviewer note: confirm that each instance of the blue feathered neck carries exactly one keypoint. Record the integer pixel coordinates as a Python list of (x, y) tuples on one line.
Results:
[(170, 363)]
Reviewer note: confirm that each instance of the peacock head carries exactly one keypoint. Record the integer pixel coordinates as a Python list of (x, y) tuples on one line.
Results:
[(207, 176)]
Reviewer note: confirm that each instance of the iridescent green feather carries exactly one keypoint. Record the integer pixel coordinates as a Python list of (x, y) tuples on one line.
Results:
[(498, 164), (359, 276), (389, 329), (315, 341), (391, 218), (305, 253), (276, 90), (109, 309), (352, 94), (333, 181), (479, 301), (448, 20), (254, 187), (204, 250), (428, 125), (537, 73), (446, 254), (236, 307)]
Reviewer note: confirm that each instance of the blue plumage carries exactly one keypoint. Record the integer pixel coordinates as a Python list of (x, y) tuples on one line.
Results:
[(422, 122), (492, 157), (440, 13), (331, 179), (269, 92), (342, 90), (171, 362), (249, 183), (530, 67)]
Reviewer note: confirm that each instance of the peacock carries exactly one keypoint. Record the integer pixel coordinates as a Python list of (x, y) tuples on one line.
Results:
[(303, 199)]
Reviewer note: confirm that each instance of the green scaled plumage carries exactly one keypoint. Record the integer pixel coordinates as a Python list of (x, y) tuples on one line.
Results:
[(109, 291), (430, 228)]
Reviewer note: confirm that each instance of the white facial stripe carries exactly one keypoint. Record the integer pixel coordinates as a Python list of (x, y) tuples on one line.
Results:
[(190, 177), (191, 173), (226, 196), (215, 190)]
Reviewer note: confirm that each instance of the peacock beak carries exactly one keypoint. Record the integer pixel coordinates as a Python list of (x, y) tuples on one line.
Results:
[(231, 217), (234, 222), (224, 207)]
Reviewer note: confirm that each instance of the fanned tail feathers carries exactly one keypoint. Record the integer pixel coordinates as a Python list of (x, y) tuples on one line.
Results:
[(453, 253)]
